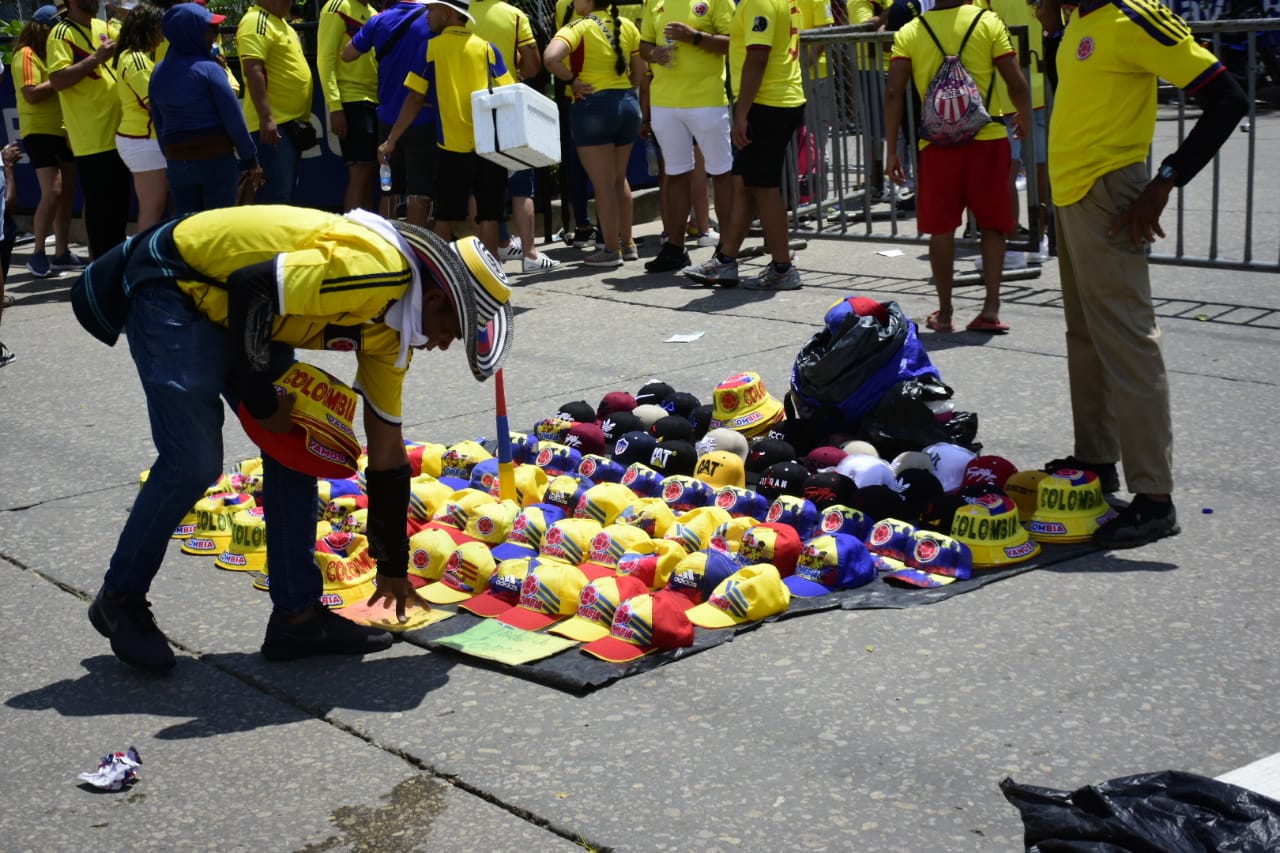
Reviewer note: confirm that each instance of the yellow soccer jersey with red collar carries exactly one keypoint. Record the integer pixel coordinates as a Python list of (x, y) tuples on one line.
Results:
[(90, 108), (333, 284), (697, 78), (774, 24), (1104, 111), (591, 53)]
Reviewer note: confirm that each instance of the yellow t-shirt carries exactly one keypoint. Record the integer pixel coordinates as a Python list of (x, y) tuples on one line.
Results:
[(162, 50), (45, 117), (591, 53), (813, 15), (861, 11), (697, 79), (775, 24), (344, 81), (334, 278), (90, 108), (1104, 110), (505, 27), (262, 35), (1018, 13), (989, 42), (132, 87), (467, 62)]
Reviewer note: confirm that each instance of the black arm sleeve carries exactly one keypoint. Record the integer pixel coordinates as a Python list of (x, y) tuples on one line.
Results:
[(388, 519), (1224, 104), (251, 308)]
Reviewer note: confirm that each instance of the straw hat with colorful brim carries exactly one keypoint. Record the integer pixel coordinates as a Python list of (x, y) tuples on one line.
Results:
[(643, 625), (550, 593), (991, 528), (247, 549), (934, 560), (597, 605), (504, 588), (213, 523), (347, 567), (743, 404), (830, 562), (476, 285), (748, 595), (321, 442), (1069, 507)]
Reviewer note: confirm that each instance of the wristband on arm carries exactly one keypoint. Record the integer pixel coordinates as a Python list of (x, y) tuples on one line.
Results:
[(387, 520)]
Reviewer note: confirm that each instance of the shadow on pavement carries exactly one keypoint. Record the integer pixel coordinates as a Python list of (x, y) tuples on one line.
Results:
[(1099, 563), (303, 689)]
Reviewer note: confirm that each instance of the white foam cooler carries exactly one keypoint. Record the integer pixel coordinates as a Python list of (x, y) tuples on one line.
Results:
[(516, 126)]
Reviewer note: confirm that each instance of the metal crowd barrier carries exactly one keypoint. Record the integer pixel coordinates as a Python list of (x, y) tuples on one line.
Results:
[(836, 188)]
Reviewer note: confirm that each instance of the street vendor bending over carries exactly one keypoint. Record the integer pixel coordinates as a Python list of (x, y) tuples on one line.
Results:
[(213, 306)]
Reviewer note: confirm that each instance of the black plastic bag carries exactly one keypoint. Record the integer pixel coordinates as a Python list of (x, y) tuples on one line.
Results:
[(1151, 812), (902, 420)]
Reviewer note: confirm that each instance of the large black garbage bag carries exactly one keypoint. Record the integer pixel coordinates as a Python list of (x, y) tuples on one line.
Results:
[(1164, 812), (850, 364), (902, 420)]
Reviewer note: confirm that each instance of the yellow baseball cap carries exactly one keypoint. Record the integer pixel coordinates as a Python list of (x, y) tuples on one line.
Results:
[(467, 573), (748, 595)]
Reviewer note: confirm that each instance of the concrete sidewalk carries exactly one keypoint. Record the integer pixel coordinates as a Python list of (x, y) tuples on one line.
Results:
[(864, 730)]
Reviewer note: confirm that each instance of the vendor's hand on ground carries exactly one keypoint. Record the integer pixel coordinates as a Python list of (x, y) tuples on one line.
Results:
[(401, 591), (280, 420)]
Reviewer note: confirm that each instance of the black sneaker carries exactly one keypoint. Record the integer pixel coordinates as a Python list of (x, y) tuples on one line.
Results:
[(1108, 477), (322, 633), (1140, 523), (132, 630), (669, 259)]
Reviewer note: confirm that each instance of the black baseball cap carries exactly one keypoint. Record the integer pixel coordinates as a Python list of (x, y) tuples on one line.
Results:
[(701, 419), (672, 428), (634, 446), (681, 403), (578, 410), (616, 425), (673, 457), (879, 503), (765, 452), (783, 478), (656, 393), (829, 487)]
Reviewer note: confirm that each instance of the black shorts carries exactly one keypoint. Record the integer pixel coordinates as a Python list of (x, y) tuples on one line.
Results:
[(460, 175), (770, 129), (413, 162), (361, 142), (47, 149)]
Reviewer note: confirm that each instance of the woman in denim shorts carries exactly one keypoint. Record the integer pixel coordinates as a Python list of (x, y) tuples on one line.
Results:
[(598, 56)]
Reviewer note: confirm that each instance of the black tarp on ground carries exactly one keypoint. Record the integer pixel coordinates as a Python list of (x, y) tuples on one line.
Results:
[(577, 672)]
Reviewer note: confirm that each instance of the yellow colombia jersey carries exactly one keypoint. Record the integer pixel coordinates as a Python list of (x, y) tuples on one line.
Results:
[(338, 278), (45, 117), (1019, 13), (344, 81), (134, 68), (775, 24), (90, 108), (1118, 49), (989, 42), (591, 53), (505, 27), (468, 63), (697, 79), (267, 37), (813, 15)]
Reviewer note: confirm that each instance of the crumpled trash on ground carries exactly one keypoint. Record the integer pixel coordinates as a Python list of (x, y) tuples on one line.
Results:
[(115, 771)]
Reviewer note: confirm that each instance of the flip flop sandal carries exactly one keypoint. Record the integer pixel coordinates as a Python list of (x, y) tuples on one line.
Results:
[(980, 325), (931, 322)]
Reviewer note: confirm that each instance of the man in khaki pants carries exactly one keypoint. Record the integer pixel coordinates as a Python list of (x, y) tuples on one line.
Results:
[(1108, 211)]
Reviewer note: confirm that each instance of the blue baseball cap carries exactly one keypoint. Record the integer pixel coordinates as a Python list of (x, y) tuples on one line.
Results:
[(830, 562)]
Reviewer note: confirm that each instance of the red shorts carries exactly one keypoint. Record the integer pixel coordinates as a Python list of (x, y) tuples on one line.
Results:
[(953, 178)]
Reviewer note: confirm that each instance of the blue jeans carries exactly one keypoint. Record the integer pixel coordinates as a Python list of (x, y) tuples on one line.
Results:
[(203, 184), (607, 117), (280, 169), (182, 362)]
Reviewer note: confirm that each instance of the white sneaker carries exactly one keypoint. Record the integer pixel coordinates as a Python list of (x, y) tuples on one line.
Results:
[(773, 280), (1012, 261), (709, 238), (539, 264), (513, 251), (1042, 256)]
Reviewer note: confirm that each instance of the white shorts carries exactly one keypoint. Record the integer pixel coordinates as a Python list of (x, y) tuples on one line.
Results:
[(677, 128), (140, 155)]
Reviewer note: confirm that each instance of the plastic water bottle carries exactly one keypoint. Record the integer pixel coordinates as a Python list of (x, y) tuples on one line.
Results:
[(384, 178)]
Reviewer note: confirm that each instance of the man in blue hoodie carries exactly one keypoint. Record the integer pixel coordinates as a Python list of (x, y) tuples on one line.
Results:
[(198, 120)]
